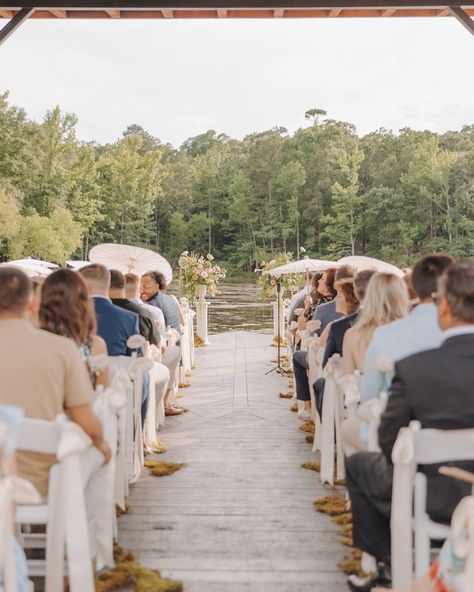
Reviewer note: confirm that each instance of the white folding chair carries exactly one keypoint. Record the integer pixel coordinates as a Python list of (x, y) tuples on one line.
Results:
[(332, 415), (415, 446), (63, 513)]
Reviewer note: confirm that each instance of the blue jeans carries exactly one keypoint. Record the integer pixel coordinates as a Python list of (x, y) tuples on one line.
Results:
[(145, 394)]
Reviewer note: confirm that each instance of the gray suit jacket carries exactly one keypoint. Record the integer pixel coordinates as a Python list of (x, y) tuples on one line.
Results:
[(326, 313)]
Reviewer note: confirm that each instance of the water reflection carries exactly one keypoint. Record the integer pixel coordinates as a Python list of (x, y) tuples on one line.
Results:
[(238, 307)]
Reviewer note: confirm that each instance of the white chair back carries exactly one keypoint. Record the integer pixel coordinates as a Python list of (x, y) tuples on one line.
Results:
[(413, 447), (64, 512)]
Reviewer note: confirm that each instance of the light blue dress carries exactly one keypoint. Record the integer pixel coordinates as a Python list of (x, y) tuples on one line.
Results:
[(11, 417)]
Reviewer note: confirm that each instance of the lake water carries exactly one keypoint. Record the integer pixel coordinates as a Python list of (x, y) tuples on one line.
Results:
[(238, 307)]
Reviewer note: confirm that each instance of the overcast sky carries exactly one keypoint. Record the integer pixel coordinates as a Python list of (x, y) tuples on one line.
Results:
[(180, 78)]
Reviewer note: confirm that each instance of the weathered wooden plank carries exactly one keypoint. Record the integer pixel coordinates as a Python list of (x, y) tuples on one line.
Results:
[(239, 516)]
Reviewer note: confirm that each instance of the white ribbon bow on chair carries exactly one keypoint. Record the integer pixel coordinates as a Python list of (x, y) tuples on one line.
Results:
[(70, 519), (403, 455), (108, 407)]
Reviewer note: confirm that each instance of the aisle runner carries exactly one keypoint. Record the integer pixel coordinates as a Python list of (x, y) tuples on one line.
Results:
[(239, 516)]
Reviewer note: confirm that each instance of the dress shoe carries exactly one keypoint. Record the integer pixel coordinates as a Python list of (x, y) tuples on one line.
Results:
[(304, 415), (381, 578)]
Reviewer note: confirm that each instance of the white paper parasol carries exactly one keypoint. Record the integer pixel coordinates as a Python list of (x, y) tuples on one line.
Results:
[(31, 267), (361, 263), (130, 259), (77, 264), (305, 265)]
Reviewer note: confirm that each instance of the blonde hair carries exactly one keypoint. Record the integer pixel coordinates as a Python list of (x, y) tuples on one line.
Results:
[(386, 300)]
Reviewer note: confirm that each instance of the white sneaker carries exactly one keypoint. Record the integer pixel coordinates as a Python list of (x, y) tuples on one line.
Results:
[(304, 415)]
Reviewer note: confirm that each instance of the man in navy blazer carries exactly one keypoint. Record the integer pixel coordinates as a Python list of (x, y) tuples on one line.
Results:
[(114, 324)]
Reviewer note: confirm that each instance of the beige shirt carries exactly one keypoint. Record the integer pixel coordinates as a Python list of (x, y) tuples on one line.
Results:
[(44, 375)]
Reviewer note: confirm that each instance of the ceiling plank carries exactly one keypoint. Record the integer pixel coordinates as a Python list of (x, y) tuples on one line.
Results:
[(232, 4)]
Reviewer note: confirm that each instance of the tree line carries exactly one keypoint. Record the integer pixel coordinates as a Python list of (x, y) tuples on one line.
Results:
[(389, 195)]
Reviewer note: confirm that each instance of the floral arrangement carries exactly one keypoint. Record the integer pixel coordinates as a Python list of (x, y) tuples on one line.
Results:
[(195, 271), (267, 282)]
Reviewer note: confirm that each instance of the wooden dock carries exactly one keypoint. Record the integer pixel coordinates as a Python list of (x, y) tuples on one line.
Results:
[(239, 516)]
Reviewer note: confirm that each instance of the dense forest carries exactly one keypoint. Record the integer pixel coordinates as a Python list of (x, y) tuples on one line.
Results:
[(388, 195)]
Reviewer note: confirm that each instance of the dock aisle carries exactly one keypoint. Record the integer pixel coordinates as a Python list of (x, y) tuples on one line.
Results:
[(239, 516)]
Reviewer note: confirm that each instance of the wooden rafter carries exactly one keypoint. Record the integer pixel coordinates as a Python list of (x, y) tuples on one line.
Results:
[(463, 18), (13, 24)]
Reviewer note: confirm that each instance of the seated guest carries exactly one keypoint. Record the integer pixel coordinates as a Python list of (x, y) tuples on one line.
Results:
[(114, 324), (353, 300), (145, 320), (67, 310), (326, 311), (300, 358), (385, 301), (346, 304), (41, 373), (297, 299), (153, 285), (132, 293), (171, 354), (417, 332), (435, 388)]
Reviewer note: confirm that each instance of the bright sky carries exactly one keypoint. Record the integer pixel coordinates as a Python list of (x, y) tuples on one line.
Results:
[(180, 78)]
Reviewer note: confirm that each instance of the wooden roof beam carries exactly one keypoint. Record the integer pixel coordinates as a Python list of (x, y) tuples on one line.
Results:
[(462, 17), (14, 23)]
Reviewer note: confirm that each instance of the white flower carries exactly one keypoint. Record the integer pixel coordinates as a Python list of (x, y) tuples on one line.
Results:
[(302, 250), (384, 364), (210, 257), (204, 275)]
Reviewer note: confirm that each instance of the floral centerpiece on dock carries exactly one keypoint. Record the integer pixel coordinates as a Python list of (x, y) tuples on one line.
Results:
[(267, 283), (199, 275)]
